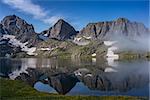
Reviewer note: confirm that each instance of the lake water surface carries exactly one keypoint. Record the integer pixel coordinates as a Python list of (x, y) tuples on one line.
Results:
[(80, 76)]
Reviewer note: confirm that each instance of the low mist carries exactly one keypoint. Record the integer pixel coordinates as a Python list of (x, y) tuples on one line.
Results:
[(136, 44)]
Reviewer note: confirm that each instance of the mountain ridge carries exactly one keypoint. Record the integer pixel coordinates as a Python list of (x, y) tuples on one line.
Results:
[(106, 29), (14, 25), (62, 30), (62, 38)]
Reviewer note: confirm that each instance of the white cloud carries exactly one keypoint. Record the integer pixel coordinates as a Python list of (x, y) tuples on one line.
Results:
[(52, 19), (35, 10)]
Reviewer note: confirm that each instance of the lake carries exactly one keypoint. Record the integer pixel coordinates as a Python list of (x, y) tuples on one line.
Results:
[(80, 76)]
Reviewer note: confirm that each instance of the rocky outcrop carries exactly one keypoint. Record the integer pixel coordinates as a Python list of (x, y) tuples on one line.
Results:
[(31, 77), (63, 82), (109, 82), (56, 81), (8, 50), (61, 31), (109, 29), (24, 32)]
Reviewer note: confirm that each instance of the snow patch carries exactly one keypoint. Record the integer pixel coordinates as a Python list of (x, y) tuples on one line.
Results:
[(45, 49), (87, 37), (94, 54), (79, 42), (111, 56), (88, 75), (17, 43), (46, 35), (48, 49), (30, 51), (110, 70), (77, 73), (77, 39)]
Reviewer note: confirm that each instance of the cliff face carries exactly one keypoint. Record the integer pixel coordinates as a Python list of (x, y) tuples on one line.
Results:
[(109, 29), (24, 32), (61, 31)]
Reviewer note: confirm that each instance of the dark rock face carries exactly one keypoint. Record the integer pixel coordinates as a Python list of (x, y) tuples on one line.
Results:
[(108, 82), (13, 25), (61, 31), (120, 27), (31, 78), (6, 49), (2, 31), (97, 82), (63, 83)]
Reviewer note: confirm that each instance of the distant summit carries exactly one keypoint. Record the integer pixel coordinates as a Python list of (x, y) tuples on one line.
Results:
[(61, 30), (109, 29), (122, 20), (14, 25)]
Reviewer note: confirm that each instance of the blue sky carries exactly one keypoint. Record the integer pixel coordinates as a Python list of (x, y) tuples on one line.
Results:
[(44, 13)]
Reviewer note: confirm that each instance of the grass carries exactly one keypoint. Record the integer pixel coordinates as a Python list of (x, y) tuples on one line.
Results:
[(68, 49), (18, 90), (130, 55)]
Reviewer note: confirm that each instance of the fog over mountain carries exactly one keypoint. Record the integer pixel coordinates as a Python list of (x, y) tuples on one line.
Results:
[(138, 43), (109, 29), (130, 35)]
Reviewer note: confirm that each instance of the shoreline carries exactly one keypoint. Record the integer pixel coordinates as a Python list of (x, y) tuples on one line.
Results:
[(15, 89)]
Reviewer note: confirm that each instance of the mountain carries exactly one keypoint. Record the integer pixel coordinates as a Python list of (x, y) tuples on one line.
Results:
[(109, 29), (24, 32), (17, 37), (61, 31), (13, 25)]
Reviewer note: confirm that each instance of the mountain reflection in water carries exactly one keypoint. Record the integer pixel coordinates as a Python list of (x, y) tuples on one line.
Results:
[(80, 76)]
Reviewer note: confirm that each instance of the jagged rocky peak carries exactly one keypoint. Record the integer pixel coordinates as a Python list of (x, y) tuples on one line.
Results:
[(14, 25), (109, 29), (61, 30), (24, 32), (61, 21), (122, 20)]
